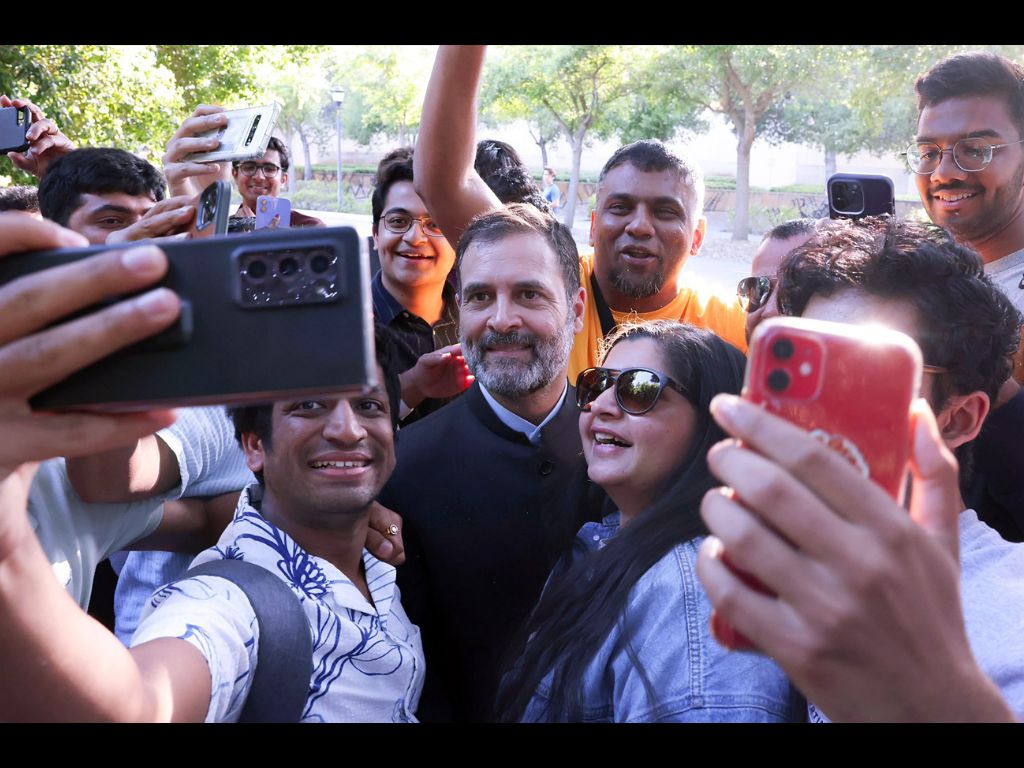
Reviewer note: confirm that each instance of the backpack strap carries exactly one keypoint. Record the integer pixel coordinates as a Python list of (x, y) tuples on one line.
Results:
[(604, 313), (284, 658)]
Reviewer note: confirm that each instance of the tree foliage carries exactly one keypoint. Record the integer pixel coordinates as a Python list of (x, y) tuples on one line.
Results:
[(384, 90), (133, 97), (744, 84), (579, 86)]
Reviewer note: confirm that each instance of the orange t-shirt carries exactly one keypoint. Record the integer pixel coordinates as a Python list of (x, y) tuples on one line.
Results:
[(705, 310)]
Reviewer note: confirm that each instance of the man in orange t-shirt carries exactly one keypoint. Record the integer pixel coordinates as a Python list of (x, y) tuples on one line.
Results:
[(648, 220)]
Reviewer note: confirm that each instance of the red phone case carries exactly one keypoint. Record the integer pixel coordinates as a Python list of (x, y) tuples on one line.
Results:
[(851, 386)]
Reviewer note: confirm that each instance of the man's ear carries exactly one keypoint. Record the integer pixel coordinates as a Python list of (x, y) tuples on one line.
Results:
[(698, 235), (254, 453), (962, 418), (578, 308)]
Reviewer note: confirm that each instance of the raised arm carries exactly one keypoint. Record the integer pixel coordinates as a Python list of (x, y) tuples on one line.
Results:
[(59, 664), (446, 149)]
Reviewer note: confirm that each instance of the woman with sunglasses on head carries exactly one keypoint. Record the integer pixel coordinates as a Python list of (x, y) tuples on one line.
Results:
[(621, 632)]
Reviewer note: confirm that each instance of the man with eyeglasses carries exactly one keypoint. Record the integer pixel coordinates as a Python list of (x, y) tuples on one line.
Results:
[(264, 176), (968, 157), (757, 292), (411, 293)]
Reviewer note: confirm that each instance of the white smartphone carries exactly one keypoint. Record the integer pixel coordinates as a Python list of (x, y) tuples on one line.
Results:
[(245, 137)]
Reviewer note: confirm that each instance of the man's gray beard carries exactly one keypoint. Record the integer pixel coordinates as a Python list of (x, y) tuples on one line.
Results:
[(511, 378), (635, 286)]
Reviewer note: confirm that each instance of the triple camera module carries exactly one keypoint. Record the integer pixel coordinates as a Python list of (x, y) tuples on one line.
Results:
[(279, 277)]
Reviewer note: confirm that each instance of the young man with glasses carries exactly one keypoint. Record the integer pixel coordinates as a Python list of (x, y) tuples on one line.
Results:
[(265, 176), (968, 156), (411, 293)]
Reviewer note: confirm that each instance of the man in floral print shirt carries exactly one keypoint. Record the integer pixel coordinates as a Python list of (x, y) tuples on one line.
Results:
[(320, 463)]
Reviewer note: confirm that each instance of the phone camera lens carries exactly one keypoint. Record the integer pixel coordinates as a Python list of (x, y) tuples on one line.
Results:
[(257, 269), (778, 380), (288, 266), (783, 349), (320, 263)]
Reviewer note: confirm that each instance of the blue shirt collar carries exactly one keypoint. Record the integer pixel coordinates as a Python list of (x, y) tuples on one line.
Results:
[(518, 423)]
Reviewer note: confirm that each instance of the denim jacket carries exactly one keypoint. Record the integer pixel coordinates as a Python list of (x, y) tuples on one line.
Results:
[(692, 677)]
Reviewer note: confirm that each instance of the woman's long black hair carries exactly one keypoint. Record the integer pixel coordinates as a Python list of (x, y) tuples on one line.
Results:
[(582, 602)]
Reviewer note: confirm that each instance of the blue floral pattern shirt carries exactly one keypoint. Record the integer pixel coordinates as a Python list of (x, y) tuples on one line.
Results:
[(368, 663)]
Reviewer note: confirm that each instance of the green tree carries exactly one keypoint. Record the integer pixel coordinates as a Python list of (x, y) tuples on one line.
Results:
[(868, 103), (98, 95), (744, 84), (216, 74), (578, 85), (300, 84), (384, 90)]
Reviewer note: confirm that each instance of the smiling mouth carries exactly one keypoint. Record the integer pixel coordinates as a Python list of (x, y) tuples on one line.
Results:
[(604, 438), (355, 464), (953, 197), (416, 256)]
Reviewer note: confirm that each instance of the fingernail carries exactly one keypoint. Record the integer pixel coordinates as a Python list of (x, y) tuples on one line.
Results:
[(386, 549), (158, 303), (70, 239), (724, 408), (144, 260)]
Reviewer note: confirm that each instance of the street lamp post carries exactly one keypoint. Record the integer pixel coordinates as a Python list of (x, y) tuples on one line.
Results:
[(338, 95)]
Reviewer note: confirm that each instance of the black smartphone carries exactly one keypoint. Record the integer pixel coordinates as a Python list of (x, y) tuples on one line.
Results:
[(854, 196), (211, 211), (272, 315), (14, 125)]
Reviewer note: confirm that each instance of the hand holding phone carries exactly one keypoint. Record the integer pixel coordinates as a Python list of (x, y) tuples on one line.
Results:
[(14, 125), (244, 136), (850, 387), (271, 315), (43, 139), (45, 337), (273, 212), (196, 134), (867, 620)]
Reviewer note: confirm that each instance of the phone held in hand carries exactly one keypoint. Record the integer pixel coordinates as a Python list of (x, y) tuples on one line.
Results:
[(854, 196), (271, 315), (850, 386), (245, 137), (212, 211), (268, 207), (14, 125)]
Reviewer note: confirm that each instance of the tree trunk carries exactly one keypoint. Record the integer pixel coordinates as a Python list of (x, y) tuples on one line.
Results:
[(543, 144), (741, 218), (307, 170), (830, 163), (290, 186), (569, 209)]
